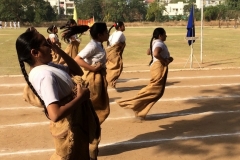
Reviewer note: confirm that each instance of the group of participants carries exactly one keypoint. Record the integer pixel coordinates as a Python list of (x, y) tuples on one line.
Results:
[(71, 85), (14, 24)]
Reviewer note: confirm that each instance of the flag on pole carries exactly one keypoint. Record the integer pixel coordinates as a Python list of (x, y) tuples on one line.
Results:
[(191, 27), (75, 17)]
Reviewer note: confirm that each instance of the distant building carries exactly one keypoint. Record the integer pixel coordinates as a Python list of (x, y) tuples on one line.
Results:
[(66, 4)]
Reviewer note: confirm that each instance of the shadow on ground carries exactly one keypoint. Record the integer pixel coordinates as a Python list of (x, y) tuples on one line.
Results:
[(218, 125)]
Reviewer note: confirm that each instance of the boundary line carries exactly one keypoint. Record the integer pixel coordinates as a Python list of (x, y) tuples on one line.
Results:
[(127, 142), (127, 117)]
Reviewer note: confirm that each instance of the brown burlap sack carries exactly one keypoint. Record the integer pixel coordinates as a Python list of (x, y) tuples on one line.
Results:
[(149, 95), (71, 50), (98, 92), (114, 63), (77, 136)]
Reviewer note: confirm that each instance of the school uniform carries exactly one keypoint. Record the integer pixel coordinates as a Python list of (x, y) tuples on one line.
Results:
[(72, 48), (114, 52), (94, 53), (55, 57), (149, 95), (75, 136)]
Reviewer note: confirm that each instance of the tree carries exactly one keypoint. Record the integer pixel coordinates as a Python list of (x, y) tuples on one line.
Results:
[(88, 8), (26, 11), (155, 12)]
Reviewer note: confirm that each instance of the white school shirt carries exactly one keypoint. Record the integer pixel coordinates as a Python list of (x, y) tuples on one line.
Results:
[(164, 53), (116, 37), (52, 82), (93, 52), (53, 36)]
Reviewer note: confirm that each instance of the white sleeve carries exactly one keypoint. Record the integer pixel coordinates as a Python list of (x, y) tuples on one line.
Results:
[(122, 38), (88, 51), (49, 89)]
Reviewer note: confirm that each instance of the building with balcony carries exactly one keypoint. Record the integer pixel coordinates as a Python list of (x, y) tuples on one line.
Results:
[(65, 4)]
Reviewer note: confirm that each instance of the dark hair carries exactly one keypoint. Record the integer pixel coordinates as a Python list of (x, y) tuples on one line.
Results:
[(51, 28), (156, 33), (69, 31), (116, 25), (69, 23), (31, 29), (24, 44), (97, 28)]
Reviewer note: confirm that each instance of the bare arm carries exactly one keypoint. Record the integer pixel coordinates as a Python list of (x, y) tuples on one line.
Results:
[(57, 112), (85, 65), (72, 65)]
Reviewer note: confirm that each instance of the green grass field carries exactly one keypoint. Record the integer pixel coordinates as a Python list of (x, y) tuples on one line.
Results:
[(220, 47)]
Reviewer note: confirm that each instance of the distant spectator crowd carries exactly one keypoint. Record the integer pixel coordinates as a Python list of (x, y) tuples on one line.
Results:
[(10, 24)]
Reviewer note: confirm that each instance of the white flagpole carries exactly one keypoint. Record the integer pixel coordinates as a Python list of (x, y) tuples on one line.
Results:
[(201, 31), (192, 39)]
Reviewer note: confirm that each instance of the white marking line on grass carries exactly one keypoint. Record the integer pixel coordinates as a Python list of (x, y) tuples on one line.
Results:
[(127, 142), (5, 41)]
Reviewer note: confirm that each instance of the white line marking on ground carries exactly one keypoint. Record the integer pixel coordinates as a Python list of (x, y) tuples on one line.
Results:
[(126, 142), (13, 85), (164, 99), (18, 108), (25, 124), (193, 98), (26, 152), (126, 117), (134, 88), (172, 86), (176, 114), (175, 78)]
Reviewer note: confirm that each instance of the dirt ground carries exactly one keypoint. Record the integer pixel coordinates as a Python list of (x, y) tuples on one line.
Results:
[(197, 118)]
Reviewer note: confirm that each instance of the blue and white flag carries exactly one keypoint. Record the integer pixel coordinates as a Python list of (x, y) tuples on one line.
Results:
[(191, 27)]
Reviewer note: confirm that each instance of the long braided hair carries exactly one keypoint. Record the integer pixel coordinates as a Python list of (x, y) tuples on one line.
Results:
[(156, 33), (24, 43)]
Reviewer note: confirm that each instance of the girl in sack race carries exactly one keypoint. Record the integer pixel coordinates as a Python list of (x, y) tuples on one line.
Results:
[(73, 42), (92, 58), (115, 46), (150, 94), (73, 123)]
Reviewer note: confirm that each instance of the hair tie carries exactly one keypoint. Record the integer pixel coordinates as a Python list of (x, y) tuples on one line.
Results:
[(114, 25)]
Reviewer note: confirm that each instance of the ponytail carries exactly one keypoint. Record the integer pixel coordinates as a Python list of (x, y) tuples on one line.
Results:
[(70, 31)]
